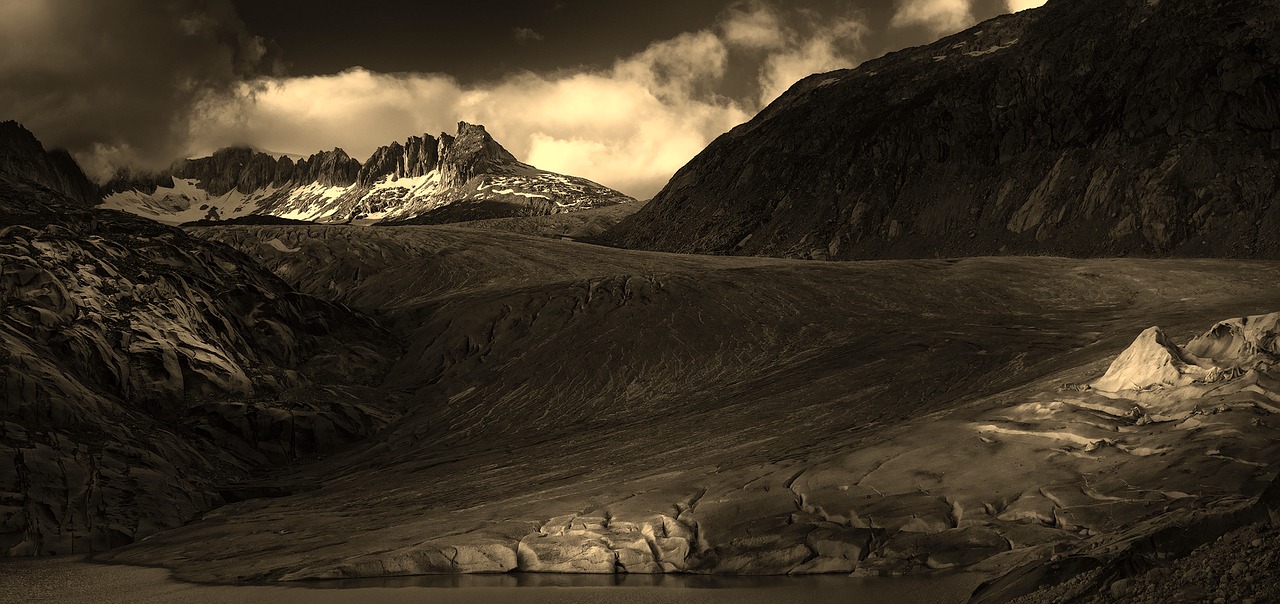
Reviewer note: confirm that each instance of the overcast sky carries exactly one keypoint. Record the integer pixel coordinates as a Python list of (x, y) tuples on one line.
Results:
[(622, 92)]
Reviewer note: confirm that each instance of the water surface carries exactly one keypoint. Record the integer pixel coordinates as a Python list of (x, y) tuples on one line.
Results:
[(71, 579)]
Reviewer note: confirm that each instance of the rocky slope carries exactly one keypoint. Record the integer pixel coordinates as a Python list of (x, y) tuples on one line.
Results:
[(425, 179), (1239, 566), (1085, 127), (147, 373)]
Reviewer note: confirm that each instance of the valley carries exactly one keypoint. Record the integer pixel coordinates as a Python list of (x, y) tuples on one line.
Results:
[(573, 408)]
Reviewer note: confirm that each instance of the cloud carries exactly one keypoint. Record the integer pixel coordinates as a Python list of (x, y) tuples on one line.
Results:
[(939, 16), (837, 46), (687, 66), (754, 25), (1020, 5), (524, 35), (115, 82)]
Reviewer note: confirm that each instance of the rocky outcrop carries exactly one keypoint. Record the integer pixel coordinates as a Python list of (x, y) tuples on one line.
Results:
[(23, 157), (327, 168), (1085, 127), (235, 169), (418, 156), (421, 156), (471, 153), (242, 169)]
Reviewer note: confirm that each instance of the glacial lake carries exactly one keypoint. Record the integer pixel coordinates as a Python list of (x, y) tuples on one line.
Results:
[(72, 579)]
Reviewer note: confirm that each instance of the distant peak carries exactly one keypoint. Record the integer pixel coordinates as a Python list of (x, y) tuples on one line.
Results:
[(13, 131), (23, 156)]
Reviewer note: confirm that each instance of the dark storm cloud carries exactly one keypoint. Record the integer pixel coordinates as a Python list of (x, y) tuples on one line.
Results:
[(621, 92), (115, 82)]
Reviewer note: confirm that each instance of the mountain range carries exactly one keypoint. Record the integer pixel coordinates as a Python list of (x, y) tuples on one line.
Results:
[(300, 402), (466, 176)]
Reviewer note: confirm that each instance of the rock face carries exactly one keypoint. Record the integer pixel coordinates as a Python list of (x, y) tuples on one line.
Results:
[(418, 156), (143, 370), (1085, 127), (430, 179), (327, 169), (472, 153), (23, 157)]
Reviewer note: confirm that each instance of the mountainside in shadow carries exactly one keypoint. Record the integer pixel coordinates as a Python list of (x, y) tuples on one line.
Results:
[(445, 179), (1084, 127), (145, 372)]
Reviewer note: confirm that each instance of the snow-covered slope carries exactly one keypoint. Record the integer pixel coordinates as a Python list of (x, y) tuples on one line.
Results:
[(425, 179)]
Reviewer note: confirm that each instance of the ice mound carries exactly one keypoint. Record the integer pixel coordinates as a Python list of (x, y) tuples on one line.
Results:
[(1240, 343), (1152, 361), (1230, 348)]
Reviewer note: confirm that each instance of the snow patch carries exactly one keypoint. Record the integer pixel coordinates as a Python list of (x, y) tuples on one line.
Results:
[(987, 51)]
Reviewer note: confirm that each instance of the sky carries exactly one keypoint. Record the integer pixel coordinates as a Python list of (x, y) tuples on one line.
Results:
[(622, 92)]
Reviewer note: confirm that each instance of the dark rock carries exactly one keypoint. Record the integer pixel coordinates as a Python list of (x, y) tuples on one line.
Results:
[(418, 156), (385, 161), (422, 155), (328, 168), (472, 152), (240, 169)]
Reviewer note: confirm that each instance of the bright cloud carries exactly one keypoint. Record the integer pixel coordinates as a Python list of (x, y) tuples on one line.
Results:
[(754, 25), (835, 47), (940, 16), (1019, 5)]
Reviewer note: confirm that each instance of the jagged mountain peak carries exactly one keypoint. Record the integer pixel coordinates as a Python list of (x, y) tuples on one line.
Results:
[(400, 181), (473, 151)]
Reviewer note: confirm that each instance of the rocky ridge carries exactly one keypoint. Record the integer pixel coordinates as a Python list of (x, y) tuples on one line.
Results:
[(400, 181), (1084, 128)]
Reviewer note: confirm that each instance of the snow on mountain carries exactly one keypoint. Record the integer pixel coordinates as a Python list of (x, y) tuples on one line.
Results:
[(420, 180)]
